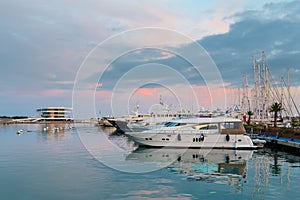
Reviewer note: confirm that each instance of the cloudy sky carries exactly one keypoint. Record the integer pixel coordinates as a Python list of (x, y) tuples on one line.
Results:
[(46, 46)]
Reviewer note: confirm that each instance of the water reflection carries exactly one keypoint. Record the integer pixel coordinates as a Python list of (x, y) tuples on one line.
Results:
[(208, 165), (191, 174), (272, 168), (109, 130)]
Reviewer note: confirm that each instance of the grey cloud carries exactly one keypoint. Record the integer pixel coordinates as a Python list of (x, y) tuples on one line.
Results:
[(39, 39), (272, 29), (135, 59), (254, 32)]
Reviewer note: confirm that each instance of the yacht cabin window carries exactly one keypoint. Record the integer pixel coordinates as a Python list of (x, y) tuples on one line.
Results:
[(206, 127), (230, 125)]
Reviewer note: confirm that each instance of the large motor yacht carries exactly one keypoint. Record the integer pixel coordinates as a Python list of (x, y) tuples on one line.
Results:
[(218, 132)]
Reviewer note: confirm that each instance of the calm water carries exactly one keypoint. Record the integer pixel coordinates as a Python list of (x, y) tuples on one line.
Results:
[(56, 165)]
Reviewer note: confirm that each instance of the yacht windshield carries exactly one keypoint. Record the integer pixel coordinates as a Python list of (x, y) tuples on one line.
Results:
[(206, 127), (172, 124)]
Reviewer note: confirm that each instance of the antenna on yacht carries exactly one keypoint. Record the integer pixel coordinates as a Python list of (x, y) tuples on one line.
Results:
[(137, 109), (160, 100)]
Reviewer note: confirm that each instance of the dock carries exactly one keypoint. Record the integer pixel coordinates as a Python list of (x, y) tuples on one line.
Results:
[(285, 144)]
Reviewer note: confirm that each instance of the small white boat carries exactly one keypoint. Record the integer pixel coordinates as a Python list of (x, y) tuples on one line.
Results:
[(219, 132), (19, 132), (104, 121), (55, 129), (259, 142)]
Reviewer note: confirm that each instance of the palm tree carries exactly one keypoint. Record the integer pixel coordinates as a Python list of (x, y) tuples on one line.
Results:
[(249, 113), (276, 107)]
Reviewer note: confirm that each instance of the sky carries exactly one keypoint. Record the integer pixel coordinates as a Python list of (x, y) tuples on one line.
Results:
[(100, 48)]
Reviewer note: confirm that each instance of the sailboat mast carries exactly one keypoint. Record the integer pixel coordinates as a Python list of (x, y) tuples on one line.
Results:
[(289, 84)]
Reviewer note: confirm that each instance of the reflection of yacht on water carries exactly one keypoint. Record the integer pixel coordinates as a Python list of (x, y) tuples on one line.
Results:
[(219, 132), (211, 165)]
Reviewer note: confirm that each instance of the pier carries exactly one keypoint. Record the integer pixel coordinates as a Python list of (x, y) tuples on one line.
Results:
[(285, 144)]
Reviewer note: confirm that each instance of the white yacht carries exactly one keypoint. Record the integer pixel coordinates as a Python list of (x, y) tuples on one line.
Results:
[(218, 132)]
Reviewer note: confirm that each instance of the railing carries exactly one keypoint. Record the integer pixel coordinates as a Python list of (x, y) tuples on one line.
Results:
[(185, 132)]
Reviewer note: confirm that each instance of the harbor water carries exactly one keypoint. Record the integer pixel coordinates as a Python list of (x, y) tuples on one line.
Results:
[(87, 162)]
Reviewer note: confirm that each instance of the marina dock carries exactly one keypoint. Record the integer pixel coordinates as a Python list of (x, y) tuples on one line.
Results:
[(285, 144)]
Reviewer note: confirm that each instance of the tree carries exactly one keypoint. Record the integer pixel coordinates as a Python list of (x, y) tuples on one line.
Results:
[(249, 113), (276, 107)]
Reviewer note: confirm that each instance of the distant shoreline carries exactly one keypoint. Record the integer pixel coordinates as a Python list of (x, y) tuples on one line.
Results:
[(26, 120)]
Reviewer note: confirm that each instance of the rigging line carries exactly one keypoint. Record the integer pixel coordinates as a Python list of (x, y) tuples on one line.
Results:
[(293, 100), (278, 95), (275, 90)]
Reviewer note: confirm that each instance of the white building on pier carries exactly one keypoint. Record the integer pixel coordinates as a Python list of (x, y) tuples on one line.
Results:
[(55, 113)]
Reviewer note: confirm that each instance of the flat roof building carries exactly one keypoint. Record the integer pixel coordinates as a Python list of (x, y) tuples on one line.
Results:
[(55, 113)]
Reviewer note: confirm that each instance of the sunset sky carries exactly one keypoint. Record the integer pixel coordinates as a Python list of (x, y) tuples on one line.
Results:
[(46, 46)]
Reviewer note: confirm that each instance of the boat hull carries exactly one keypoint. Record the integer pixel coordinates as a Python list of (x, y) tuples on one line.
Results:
[(215, 141)]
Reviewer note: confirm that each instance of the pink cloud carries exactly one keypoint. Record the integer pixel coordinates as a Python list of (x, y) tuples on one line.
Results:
[(215, 97), (55, 92), (104, 96), (149, 92)]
